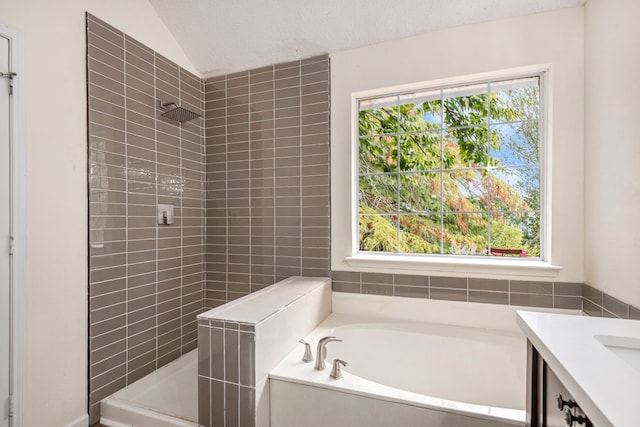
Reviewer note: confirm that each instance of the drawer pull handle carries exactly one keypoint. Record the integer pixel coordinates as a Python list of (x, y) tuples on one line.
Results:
[(569, 418), (562, 403)]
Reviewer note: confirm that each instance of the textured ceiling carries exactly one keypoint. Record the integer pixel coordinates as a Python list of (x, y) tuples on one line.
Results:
[(222, 36)]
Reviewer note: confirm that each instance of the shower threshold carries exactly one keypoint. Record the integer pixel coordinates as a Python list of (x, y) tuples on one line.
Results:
[(167, 397)]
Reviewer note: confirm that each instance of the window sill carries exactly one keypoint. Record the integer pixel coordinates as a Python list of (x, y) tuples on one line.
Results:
[(509, 267)]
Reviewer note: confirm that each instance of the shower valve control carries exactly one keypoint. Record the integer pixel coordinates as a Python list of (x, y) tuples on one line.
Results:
[(165, 214)]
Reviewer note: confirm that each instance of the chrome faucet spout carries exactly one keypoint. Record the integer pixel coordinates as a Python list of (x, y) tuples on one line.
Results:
[(321, 353)]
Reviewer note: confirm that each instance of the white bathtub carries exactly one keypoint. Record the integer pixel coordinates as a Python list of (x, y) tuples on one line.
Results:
[(411, 362), (168, 397)]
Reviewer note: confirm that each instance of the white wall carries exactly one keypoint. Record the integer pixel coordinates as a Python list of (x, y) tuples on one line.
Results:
[(55, 361), (612, 147), (554, 38)]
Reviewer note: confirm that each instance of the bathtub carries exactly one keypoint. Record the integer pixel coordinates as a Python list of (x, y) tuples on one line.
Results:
[(168, 397), (410, 362)]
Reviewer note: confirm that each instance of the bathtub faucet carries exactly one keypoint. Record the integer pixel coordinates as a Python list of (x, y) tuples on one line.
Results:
[(321, 354), (336, 372), (308, 357)]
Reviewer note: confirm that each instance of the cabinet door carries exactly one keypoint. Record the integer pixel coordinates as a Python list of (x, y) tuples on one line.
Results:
[(543, 387)]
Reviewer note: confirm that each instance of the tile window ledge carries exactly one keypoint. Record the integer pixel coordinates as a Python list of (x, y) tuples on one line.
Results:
[(455, 265)]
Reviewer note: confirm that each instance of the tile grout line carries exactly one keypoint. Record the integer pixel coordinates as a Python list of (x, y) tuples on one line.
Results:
[(155, 123), (182, 178), (249, 140), (126, 156), (300, 172)]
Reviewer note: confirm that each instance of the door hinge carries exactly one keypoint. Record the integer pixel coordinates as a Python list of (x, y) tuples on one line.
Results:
[(11, 244), (10, 75), (10, 408)]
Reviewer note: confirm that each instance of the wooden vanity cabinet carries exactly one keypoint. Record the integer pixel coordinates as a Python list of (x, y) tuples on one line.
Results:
[(544, 390)]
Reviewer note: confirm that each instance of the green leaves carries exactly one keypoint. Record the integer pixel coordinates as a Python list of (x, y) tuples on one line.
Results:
[(452, 171)]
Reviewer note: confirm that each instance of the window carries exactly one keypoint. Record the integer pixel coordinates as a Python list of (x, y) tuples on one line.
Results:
[(452, 170)]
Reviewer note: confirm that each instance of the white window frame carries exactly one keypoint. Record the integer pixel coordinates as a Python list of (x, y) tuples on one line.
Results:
[(542, 267)]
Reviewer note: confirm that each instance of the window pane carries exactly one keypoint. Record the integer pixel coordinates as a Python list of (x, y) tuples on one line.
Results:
[(420, 152), (515, 231), (515, 189), (378, 233), (515, 100), (420, 192), (466, 106), (466, 147), (378, 117), (452, 170), (378, 193), (514, 144), (420, 112), (464, 191), (465, 234), (378, 154), (420, 234)]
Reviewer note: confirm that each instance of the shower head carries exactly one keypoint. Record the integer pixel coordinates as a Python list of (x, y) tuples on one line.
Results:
[(175, 113)]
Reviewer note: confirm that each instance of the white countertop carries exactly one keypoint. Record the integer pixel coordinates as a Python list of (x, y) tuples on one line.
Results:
[(605, 386)]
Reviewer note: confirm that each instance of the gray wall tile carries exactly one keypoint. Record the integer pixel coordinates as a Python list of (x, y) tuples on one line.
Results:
[(411, 280), (531, 300), (590, 308), (448, 282), (411, 291), (377, 278), (488, 297), (204, 401), (569, 289), (247, 407), (489, 285), (531, 287), (217, 353), (448, 294), (262, 152), (217, 403), (615, 306), (123, 164), (592, 294), (204, 355), (351, 287), (567, 302), (232, 405)]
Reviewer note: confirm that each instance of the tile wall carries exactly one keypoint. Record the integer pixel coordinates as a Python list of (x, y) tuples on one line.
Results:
[(146, 281), (267, 183), (600, 304), (226, 374), (561, 295), (492, 291)]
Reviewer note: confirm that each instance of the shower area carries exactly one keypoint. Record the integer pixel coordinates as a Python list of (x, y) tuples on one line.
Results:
[(200, 191)]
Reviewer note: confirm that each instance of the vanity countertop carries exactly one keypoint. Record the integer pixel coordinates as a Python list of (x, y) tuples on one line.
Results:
[(597, 360)]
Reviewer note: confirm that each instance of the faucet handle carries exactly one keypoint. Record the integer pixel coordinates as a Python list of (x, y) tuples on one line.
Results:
[(336, 372), (308, 356)]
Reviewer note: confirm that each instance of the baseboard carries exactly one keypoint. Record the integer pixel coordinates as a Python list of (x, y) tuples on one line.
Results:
[(110, 423), (82, 421)]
